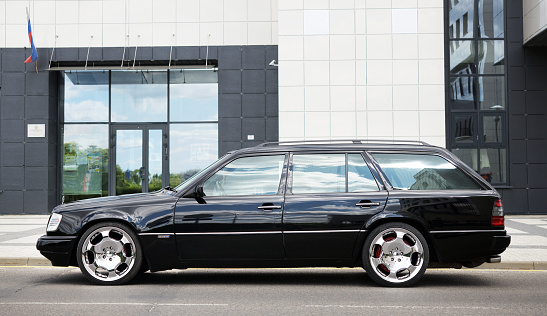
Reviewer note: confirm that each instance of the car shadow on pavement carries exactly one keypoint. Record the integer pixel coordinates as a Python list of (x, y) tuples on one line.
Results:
[(324, 277)]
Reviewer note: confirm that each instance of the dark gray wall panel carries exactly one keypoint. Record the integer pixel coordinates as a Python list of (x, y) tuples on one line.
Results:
[(13, 83), (12, 154), (36, 178), (12, 131), (11, 202), (229, 105), (13, 107), (12, 178), (253, 105)]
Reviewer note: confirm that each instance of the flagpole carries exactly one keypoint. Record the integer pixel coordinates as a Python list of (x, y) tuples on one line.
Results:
[(36, 64)]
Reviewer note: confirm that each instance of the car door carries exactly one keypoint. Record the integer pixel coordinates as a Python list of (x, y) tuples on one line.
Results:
[(329, 198), (239, 216)]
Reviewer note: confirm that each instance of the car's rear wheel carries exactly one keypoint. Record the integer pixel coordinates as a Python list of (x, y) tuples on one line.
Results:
[(395, 254), (109, 253)]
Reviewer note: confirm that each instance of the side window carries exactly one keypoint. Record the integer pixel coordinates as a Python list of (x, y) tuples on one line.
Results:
[(423, 172), (360, 178), (319, 173), (247, 176)]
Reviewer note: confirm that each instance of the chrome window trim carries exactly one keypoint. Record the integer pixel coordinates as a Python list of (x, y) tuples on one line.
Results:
[(468, 231)]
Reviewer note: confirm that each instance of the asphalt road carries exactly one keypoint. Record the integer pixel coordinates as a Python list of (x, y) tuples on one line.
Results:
[(64, 291)]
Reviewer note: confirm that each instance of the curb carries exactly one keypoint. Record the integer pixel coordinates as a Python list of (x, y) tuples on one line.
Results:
[(510, 265), (24, 262)]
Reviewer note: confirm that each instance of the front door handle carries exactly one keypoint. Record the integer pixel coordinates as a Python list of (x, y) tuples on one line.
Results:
[(367, 203), (268, 207)]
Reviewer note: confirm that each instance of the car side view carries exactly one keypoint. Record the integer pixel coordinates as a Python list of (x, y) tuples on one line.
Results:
[(394, 208)]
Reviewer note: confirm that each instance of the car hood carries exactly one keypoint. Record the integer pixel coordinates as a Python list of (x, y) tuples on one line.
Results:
[(113, 201)]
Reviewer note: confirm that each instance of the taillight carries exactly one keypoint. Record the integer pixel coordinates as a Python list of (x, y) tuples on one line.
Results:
[(497, 214)]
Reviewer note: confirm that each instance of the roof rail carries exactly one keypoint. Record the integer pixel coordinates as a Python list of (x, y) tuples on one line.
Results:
[(352, 141)]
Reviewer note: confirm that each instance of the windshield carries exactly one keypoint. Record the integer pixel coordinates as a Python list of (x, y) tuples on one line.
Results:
[(186, 182)]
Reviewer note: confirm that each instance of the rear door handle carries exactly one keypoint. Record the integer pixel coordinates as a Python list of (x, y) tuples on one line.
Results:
[(364, 204), (268, 207)]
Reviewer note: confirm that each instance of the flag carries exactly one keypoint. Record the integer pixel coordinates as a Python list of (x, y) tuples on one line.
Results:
[(34, 54)]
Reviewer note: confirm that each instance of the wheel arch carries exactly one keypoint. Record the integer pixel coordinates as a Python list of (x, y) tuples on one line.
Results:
[(415, 222), (115, 217)]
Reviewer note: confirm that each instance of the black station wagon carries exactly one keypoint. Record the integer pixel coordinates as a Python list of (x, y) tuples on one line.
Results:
[(394, 208)]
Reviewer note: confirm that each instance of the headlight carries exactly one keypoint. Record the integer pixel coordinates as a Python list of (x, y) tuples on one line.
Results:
[(54, 221)]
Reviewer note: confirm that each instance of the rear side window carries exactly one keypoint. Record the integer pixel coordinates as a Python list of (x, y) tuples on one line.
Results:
[(326, 173), (423, 172)]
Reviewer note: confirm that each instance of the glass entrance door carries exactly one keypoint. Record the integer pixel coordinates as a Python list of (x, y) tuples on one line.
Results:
[(139, 153)]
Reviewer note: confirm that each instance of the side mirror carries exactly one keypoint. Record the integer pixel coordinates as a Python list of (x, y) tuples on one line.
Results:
[(197, 194)]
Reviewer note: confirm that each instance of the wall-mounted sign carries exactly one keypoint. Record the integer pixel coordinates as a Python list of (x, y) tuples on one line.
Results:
[(36, 130)]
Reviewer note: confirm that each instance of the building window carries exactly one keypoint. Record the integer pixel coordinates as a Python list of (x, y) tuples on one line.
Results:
[(136, 130), (476, 81)]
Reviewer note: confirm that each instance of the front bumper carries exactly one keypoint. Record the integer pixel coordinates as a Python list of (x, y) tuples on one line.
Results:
[(58, 249)]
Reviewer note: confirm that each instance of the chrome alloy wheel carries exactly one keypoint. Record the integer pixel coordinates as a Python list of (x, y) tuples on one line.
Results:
[(108, 253), (396, 255)]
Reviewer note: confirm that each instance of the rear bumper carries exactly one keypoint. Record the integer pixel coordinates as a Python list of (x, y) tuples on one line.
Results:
[(58, 249), (458, 246)]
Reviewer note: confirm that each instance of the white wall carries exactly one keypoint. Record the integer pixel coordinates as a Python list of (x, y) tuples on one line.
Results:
[(117, 23), (361, 69), (535, 18)]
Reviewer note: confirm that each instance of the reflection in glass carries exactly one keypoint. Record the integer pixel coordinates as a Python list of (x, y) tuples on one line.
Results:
[(468, 156), (494, 165), (462, 93), (155, 159), (85, 161), (319, 173), (247, 176), (462, 57), (461, 18), (193, 95), (360, 178), (128, 161), (493, 128), (139, 96), (491, 57), (492, 92), (192, 148), (491, 18), (86, 96), (464, 129), (423, 172)]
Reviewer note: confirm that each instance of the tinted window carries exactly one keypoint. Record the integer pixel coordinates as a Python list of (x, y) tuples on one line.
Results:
[(247, 176), (359, 176), (319, 173), (423, 172)]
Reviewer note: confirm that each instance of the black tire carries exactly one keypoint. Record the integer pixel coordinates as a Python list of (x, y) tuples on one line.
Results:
[(109, 253), (395, 255)]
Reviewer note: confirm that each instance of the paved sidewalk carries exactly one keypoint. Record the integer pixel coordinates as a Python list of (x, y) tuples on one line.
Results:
[(528, 249)]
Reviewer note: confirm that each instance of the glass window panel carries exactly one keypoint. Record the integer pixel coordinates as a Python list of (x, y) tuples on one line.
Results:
[(85, 161), (491, 93), (193, 95), (128, 161), (461, 18), (464, 129), (468, 156), (139, 96), (491, 57), (493, 165), (192, 148), (491, 18), (86, 96), (462, 57), (360, 178), (462, 93), (492, 126), (155, 154), (423, 172), (319, 173), (247, 176)]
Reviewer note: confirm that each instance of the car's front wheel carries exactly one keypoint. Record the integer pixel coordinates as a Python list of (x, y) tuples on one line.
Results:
[(395, 254), (109, 253)]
